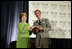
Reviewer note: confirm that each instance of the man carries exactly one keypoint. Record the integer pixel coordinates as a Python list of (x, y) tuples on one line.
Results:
[(44, 26)]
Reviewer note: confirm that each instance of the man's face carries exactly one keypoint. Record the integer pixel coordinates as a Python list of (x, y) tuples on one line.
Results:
[(38, 14)]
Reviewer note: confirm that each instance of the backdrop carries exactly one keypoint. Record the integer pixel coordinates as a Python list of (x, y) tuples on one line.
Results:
[(59, 15)]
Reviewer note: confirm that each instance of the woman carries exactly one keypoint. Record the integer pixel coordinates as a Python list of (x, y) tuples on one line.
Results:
[(23, 35)]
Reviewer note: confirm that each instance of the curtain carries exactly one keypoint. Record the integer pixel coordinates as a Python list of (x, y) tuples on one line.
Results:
[(10, 11)]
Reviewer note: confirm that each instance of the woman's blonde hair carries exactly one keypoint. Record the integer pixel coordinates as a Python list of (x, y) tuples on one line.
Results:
[(22, 14)]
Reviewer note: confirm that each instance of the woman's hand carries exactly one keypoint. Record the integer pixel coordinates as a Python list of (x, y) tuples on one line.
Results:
[(32, 27)]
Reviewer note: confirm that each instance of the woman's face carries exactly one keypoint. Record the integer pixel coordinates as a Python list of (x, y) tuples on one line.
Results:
[(24, 18)]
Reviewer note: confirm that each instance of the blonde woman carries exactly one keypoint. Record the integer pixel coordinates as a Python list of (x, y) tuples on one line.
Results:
[(23, 35)]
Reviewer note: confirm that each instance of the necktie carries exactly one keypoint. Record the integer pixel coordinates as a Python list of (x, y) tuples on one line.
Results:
[(39, 22)]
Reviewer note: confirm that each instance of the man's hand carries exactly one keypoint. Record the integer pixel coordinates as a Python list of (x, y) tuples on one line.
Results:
[(37, 29), (41, 28)]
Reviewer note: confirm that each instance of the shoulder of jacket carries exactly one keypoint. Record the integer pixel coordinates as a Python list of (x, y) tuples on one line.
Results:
[(45, 19), (27, 23), (19, 24), (35, 21)]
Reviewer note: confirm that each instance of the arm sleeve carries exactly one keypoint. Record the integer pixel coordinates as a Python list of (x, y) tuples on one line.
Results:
[(30, 32), (48, 26)]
